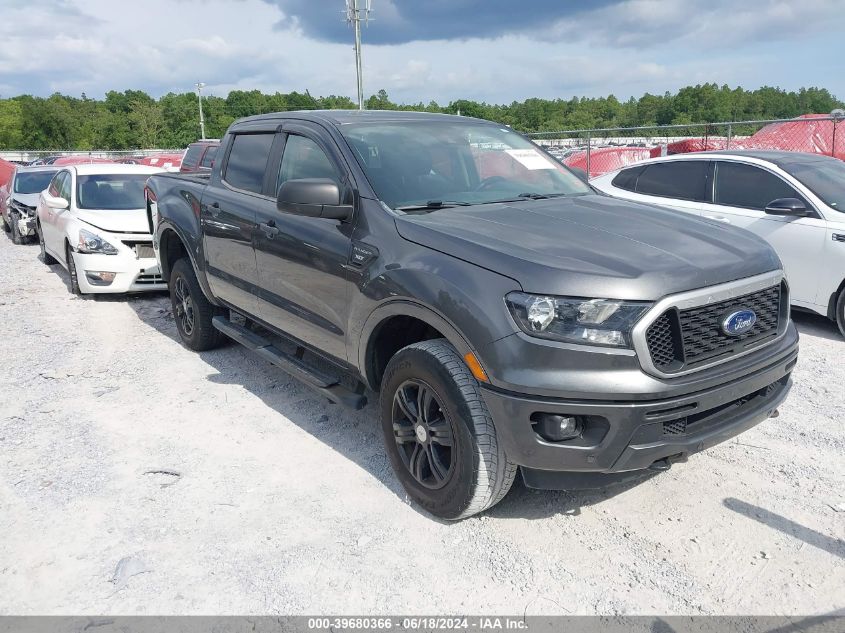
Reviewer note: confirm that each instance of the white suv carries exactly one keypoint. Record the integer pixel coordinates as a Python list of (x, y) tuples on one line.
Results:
[(92, 220), (795, 201)]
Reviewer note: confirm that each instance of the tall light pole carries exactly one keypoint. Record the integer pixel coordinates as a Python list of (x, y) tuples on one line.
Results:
[(354, 16), (200, 85)]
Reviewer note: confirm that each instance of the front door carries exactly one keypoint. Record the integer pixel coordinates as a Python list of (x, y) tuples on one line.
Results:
[(740, 195), (228, 215), (305, 287)]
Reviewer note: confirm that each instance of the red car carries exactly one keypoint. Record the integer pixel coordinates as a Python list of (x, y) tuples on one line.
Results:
[(200, 156)]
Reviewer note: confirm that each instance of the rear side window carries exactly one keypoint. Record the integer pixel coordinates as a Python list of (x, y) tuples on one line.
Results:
[(685, 180), (192, 156), (750, 187), (248, 161), (627, 178), (208, 157)]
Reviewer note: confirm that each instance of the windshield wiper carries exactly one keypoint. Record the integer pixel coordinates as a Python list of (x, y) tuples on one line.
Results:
[(541, 196), (432, 205)]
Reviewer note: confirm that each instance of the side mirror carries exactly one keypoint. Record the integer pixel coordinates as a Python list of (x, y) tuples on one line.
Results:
[(788, 206), (313, 198), (54, 202)]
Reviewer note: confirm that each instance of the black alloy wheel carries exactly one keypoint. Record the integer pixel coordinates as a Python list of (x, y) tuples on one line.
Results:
[(184, 306), (423, 434)]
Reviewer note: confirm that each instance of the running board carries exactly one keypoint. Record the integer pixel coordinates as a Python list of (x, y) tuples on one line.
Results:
[(327, 385)]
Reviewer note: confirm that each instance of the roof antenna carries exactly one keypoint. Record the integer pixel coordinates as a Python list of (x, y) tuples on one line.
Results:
[(354, 15)]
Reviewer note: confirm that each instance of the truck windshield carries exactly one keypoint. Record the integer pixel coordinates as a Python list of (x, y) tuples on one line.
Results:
[(825, 178), (33, 182), (112, 192), (455, 163)]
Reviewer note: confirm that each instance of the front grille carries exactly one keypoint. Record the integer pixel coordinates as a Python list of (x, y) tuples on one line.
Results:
[(704, 420), (149, 279), (684, 339), (143, 249)]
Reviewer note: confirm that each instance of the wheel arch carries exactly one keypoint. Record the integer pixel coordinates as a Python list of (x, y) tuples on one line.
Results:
[(396, 324)]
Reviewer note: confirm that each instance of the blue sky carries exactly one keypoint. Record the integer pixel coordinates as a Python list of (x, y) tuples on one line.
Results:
[(418, 50)]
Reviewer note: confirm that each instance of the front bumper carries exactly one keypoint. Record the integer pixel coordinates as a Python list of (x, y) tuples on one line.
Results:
[(26, 225), (131, 274), (633, 434)]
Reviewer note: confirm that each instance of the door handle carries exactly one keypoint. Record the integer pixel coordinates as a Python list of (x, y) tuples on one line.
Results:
[(718, 218), (269, 229), (214, 209)]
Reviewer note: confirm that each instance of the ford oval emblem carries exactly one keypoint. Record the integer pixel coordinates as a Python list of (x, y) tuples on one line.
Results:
[(739, 322)]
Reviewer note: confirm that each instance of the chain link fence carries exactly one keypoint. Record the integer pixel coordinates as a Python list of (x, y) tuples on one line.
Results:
[(598, 151), (28, 156)]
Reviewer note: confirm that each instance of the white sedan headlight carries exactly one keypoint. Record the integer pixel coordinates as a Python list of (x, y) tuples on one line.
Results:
[(90, 243)]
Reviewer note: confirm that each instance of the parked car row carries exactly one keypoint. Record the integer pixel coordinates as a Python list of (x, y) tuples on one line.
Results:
[(507, 316), (90, 218)]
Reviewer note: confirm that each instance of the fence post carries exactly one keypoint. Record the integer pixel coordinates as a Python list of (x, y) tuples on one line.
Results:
[(589, 143), (730, 129)]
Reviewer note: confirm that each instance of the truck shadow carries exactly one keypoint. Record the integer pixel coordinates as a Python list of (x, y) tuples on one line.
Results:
[(356, 435), (816, 325), (829, 544)]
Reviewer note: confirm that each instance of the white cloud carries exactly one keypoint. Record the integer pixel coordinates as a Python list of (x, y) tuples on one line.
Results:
[(630, 48)]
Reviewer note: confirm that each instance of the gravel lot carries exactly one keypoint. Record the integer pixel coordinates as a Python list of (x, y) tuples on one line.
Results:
[(139, 477)]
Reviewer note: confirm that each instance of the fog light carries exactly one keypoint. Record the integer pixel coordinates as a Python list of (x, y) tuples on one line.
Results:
[(98, 278), (555, 427)]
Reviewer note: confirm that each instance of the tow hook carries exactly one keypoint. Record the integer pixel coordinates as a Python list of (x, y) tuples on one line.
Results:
[(666, 463), (774, 413)]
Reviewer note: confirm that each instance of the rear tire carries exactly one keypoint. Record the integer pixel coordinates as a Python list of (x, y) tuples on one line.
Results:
[(45, 256), (192, 311), (840, 312), (448, 457), (71, 269)]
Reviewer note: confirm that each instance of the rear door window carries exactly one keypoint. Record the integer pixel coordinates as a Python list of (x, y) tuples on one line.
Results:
[(749, 187), (208, 157), (192, 156), (681, 179), (247, 161)]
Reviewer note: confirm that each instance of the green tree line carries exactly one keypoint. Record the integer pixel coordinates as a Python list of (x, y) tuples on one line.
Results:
[(133, 119)]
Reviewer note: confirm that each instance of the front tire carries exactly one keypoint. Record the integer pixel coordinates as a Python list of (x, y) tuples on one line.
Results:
[(192, 311), (71, 269), (17, 238), (5, 224), (438, 433), (45, 256), (840, 312)]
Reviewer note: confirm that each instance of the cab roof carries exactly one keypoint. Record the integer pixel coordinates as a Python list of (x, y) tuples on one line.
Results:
[(345, 117)]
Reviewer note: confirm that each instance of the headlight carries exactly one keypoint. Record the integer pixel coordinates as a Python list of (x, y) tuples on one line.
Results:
[(587, 321), (91, 243)]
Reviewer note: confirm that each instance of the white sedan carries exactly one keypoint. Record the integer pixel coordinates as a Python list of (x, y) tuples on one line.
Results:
[(795, 201), (92, 220)]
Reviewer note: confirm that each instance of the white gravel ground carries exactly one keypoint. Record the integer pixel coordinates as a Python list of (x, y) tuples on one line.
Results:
[(139, 477)]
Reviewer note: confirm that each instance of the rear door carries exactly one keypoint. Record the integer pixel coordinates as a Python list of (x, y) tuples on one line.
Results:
[(741, 193), (301, 260), (228, 213)]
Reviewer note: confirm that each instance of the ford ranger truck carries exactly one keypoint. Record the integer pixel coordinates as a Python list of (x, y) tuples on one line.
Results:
[(501, 315)]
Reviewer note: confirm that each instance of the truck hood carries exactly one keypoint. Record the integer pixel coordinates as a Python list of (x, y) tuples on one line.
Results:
[(593, 246), (122, 221)]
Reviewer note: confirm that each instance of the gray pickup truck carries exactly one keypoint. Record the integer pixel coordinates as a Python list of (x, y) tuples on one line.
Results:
[(506, 316)]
